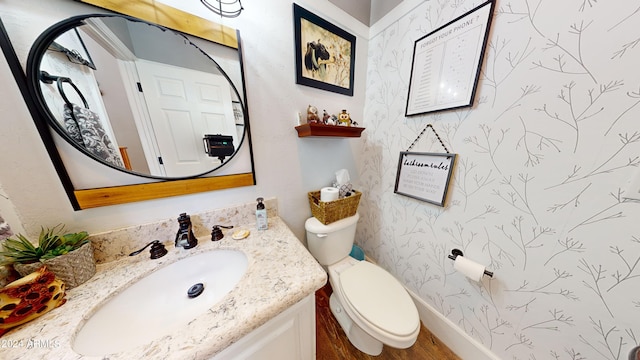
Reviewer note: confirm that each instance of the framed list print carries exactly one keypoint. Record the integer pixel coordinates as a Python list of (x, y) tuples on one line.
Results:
[(446, 63)]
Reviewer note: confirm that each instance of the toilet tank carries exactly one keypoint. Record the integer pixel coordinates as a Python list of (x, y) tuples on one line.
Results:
[(333, 242)]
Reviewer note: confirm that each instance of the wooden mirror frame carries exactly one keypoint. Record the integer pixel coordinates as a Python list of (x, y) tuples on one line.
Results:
[(169, 17)]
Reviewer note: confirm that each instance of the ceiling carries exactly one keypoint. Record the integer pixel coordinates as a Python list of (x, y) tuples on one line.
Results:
[(366, 11)]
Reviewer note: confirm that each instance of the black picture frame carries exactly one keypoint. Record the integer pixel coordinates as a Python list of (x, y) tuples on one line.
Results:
[(446, 63), (325, 54), (424, 176)]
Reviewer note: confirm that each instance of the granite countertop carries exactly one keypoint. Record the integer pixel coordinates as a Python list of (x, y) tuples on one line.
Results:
[(280, 273)]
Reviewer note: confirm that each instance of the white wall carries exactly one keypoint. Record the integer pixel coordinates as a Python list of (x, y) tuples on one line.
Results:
[(286, 167), (544, 156)]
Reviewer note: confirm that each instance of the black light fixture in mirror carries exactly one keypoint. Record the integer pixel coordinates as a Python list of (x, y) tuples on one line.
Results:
[(152, 121)]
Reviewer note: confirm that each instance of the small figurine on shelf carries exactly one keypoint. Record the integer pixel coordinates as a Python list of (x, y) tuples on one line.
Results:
[(344, 119), (312, 114), (325, 117)]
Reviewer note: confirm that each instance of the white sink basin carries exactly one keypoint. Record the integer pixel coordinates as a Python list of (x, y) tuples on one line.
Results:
[(157, 305)]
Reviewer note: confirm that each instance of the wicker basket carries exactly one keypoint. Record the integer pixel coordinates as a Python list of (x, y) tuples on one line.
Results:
[(331, 211), (73, 268)]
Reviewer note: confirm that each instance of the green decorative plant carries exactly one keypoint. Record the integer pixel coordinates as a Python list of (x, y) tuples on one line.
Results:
[(51, 243)]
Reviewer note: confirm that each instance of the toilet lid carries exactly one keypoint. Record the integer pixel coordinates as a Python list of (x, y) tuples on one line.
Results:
[(379, 298)]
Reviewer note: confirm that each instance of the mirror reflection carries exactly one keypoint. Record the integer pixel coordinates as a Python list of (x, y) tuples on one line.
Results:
[(118, 90)]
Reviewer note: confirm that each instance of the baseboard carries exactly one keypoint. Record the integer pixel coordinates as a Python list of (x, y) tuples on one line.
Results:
[(463, 345)]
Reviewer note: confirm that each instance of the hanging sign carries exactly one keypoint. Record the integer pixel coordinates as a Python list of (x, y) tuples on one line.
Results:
[(424, 176)]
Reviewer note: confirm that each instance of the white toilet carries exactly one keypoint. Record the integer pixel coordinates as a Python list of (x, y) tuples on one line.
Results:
[(372, 307)]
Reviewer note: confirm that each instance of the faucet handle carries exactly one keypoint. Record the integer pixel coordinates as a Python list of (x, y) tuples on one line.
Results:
[(157, 250), (216, 233)]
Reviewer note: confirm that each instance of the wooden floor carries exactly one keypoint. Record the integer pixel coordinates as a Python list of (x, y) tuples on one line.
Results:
[(332, 343)]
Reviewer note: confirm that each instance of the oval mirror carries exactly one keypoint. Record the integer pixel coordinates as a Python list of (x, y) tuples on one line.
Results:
[(139, 97)]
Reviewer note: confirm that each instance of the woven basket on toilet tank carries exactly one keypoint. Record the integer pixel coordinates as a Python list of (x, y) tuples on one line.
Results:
[(330, 211)]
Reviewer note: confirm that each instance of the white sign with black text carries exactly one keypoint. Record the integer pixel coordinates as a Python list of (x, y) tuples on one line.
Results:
[(424, 176)]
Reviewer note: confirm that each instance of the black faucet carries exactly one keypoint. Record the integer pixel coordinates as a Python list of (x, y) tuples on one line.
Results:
[(157, 250), (185, 237), (216, 232)]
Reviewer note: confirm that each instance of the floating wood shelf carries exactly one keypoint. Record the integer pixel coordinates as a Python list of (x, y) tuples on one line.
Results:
[(305, 130)]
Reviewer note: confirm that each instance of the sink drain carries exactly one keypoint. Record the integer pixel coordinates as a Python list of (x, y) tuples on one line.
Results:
[(195, 290)]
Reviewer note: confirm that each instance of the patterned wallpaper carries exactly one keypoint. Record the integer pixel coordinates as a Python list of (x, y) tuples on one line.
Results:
[(537, 194)]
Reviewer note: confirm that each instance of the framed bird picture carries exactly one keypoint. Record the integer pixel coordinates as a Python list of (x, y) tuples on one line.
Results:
[(325, 54)]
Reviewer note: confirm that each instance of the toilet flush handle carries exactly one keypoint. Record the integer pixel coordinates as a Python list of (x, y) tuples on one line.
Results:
[(321, 235)]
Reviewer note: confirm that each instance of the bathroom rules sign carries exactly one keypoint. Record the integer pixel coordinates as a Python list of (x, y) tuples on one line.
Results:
[(424, 176)]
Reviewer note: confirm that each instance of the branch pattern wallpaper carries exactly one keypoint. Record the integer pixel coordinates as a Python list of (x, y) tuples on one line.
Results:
[(538, 190)]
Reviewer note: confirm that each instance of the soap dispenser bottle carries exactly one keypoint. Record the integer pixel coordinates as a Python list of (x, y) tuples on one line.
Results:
[(261, 215)]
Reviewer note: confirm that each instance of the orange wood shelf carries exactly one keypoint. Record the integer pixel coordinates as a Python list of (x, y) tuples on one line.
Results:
[(305, 130)]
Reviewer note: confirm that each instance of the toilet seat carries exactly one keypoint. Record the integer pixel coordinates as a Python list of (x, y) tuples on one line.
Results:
[(379, 300)]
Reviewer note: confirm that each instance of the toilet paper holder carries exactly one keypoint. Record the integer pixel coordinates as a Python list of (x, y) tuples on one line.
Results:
[(457, 252)]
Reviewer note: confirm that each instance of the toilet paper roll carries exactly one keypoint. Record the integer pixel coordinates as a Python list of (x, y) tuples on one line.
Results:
[(469, 268), (329, 194)]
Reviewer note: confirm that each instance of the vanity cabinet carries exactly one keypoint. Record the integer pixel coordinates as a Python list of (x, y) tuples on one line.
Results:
[(289, 336)]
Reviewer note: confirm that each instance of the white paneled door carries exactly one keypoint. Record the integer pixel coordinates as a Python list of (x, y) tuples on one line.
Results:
[(184, 105)]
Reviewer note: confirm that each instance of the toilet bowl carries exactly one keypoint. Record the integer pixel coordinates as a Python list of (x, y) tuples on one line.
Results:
[(371, 306)]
